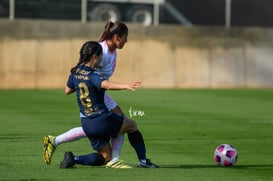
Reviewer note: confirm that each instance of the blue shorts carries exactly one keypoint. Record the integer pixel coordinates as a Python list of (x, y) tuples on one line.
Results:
[(101, 127)]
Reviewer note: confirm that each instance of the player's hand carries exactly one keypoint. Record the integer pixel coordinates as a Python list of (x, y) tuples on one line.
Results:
[(134, 85)]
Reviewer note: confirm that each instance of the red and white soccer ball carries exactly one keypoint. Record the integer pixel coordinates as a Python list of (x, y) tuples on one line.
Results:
[(225, 155)]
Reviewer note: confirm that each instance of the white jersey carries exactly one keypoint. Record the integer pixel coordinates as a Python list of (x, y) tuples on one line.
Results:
[(108, 65), (108, 62)]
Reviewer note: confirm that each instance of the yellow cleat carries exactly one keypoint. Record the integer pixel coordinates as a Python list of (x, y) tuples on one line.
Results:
[(49, 148), (117, 164)]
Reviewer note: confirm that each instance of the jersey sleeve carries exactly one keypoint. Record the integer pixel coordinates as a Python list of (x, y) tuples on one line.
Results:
[(70, 82), (97, 79)]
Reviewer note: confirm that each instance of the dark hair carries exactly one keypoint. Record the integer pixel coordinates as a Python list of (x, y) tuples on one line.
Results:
[(111, 29), (88, 49)]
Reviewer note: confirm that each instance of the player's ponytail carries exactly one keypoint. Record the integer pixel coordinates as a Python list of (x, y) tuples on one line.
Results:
[(87, 50), (111, 29)]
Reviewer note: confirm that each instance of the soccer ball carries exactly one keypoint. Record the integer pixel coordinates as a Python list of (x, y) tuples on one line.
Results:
[(225, 155)]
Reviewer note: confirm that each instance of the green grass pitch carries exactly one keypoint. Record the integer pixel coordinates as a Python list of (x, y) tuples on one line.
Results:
[(181, 129)]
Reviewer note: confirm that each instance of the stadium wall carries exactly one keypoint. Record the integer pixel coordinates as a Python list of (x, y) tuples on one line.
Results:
[(39, 54)]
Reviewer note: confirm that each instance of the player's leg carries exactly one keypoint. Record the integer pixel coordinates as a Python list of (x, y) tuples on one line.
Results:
[(116, 147), (137, 142), (92, 159), (115, 142), (69, 136), (96, 129), (51, 142)]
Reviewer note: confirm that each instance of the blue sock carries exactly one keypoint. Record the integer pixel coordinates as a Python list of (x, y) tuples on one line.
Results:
[(93, 159)]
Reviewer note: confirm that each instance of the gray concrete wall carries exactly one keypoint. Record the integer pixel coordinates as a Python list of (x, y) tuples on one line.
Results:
[(39, 54)]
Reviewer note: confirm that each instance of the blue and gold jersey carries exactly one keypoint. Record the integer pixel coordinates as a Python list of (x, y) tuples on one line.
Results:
[(90, 96)]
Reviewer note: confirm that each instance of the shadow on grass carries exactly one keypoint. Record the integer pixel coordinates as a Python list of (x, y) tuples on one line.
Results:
[(256, 167)]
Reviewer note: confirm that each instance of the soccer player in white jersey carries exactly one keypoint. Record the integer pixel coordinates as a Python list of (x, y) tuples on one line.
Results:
[(114, 37)]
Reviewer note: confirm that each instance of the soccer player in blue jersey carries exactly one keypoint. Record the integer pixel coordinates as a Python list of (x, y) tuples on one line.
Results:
[(114, 37), (98, 123)]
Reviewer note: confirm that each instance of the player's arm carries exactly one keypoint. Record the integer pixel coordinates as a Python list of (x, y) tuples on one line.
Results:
[(106, 84), (68, 90)]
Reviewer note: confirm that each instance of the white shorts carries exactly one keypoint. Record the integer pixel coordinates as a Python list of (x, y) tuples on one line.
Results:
[(109, 102)]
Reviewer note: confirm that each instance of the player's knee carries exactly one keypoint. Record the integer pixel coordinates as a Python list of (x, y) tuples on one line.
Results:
[(133, 126), (129, 126)]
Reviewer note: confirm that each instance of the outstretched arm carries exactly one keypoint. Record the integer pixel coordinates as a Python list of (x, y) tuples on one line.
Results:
[(106, 84)]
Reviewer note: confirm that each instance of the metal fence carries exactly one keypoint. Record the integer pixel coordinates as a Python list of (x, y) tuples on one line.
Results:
[(147, 12)]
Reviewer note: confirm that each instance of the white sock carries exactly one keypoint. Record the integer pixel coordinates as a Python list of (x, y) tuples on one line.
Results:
[(116, 147), (71, 135)]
